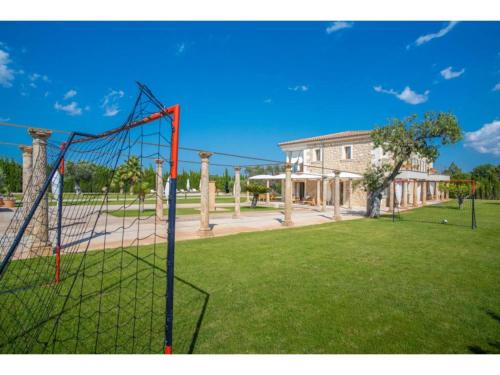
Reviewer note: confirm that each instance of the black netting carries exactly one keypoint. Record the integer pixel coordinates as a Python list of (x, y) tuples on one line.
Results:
[(89, 276)]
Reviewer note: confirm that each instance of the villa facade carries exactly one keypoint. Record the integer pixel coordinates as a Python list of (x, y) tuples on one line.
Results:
[(350, 153)]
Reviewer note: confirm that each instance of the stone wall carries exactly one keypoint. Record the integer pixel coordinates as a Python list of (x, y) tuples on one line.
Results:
[(332, 153)]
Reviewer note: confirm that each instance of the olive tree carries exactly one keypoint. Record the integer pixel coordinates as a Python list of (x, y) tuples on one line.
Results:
[(255, 190), (402, 139)]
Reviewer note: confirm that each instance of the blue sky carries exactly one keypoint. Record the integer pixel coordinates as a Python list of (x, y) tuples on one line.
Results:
[(245, 86)]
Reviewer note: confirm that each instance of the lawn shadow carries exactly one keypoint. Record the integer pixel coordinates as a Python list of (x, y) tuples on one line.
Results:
[(206, 298), (476, 349)]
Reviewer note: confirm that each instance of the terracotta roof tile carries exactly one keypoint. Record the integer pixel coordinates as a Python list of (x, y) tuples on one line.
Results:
[(346, 134)]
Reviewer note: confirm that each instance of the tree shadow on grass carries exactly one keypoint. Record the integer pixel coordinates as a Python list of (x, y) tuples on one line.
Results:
[(495, 345)]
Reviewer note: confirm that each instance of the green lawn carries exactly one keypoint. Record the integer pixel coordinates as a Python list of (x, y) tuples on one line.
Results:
[(188, 211), (362, 286)]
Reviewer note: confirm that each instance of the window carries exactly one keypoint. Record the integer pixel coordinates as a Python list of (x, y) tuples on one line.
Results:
[(317, 154), (347, 152)]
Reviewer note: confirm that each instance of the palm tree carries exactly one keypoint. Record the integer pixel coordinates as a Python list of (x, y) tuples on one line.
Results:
[(133, 171), (120, 177)]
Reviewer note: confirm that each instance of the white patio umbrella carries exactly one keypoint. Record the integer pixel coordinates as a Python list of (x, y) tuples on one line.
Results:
[(55, 185), (167, 188)]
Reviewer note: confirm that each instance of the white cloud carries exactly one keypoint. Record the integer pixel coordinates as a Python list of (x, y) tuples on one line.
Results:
[(299, 88), (268, 101), (338, 25), (448, 73), (496, 87), (71, 109), (428, 37), (6, 73), (485, 140), (110, 102), (71, 93), (407, 95), (4, 119), (36, 76), (180, 48), (32, 84)]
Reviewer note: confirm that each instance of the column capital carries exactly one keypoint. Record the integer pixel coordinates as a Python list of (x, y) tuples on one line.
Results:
[(40, 134), (237, 169), (159, 161), (288, 166), (26, 149), (205, 154)]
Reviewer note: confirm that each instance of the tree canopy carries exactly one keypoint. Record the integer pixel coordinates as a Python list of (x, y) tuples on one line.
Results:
[(403, 139)]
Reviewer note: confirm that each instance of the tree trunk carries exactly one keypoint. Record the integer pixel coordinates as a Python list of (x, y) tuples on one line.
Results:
[(131, 189), (255, 198), (460, 202), (373, 204)]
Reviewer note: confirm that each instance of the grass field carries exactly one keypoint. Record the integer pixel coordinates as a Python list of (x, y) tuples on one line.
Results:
[(189, 211), (362, 286)]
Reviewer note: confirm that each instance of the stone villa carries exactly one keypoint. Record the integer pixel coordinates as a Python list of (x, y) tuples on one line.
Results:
[(349, 154)]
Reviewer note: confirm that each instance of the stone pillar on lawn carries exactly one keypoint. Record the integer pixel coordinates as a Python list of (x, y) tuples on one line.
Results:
[(447, 192), (424, 192), (41, 244), (204, 229), (237, 193), (159, 217), (336, 203), (211, 195), (415, 196), (435, 197), (288, 195), (268, 194), (404, 194)]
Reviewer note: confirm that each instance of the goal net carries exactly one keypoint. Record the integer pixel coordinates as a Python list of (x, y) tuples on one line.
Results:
[(86, 263)]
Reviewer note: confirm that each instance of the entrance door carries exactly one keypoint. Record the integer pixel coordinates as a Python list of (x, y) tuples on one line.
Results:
[(342, 188)]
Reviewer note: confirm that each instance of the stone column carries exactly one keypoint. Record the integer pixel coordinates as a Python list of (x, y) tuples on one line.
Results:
[(447, 192), (204, 202), (27, 165), (211, 195), (435, 196), (349, 192), (237, 192), (415, 198), (325, 191), (424, 192), (268, 194), (41, 243), (318, 193), (248, 193), (288, 195), (391, 196), (404, 194), (159, 191), (336, 201)]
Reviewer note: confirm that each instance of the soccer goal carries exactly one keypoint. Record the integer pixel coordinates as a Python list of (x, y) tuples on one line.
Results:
[(91, 270), (447, 202)]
